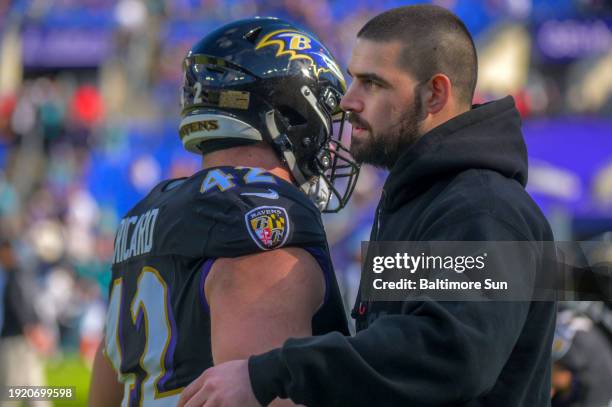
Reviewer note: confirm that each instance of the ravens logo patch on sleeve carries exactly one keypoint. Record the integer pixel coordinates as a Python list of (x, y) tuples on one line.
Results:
[(268, 226)]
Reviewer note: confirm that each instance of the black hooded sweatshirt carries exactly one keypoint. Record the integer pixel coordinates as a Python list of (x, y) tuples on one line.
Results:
[(462, 181)]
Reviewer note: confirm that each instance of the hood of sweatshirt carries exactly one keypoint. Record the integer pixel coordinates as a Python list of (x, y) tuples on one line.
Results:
[(487, 137)]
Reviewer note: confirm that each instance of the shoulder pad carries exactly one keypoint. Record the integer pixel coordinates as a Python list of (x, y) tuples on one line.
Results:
[(255, 211)]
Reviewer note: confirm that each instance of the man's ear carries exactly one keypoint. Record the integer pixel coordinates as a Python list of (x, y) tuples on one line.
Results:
[(437, 93)]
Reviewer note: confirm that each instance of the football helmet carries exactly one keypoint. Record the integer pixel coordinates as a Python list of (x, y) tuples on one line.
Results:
[(264, 79)]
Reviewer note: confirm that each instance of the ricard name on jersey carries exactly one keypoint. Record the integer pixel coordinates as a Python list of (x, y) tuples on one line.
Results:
[(135, 236)]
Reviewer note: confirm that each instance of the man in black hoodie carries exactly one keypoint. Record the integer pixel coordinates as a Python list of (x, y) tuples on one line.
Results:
[(457, 173)]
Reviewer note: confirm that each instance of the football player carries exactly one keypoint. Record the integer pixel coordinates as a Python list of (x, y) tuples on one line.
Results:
[(232, 260)]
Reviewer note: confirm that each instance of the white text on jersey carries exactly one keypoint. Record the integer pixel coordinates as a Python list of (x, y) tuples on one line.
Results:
[(138, 230)]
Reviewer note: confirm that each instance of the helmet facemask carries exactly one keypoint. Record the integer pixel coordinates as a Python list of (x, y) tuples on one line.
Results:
[(344, 171), (321, 164)]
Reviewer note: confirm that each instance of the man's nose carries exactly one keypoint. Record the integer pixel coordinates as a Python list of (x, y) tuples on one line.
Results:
[(350, 102)]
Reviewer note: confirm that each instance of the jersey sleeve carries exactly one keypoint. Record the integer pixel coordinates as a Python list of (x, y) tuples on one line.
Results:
[(255, 219)]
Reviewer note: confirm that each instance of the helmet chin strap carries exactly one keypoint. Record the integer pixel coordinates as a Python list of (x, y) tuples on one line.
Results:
[(284, 145), (318, 191)]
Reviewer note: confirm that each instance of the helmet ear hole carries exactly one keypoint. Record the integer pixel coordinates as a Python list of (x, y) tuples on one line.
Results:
[(292, 116)]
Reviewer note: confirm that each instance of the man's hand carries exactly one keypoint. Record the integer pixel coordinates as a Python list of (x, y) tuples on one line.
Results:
[(224, 385)]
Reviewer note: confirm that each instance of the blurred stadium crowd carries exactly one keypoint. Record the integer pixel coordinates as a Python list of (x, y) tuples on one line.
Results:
[(89, 107)]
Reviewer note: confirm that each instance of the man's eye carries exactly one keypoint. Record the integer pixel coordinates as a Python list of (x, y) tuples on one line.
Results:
[(369, 84)]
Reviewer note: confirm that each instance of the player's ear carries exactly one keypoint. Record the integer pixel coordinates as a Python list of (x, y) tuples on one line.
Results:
[(435, 93)]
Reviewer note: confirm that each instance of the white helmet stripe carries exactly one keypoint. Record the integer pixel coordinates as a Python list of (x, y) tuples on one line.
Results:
[(206, 126), (312, 100), (287, 154)]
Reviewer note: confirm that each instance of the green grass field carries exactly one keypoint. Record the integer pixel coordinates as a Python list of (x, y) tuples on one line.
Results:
[(69, 371)]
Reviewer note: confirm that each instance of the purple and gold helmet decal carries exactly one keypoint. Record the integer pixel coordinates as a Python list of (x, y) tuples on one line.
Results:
[(298, 45)]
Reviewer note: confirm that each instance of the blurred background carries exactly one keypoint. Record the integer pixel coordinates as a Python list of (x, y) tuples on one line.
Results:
[(89, 111)]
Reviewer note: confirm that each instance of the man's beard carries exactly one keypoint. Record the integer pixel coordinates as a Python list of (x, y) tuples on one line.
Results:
[(383, 150)]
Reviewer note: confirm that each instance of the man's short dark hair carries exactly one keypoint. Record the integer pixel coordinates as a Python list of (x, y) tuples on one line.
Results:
[(434, 41)]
